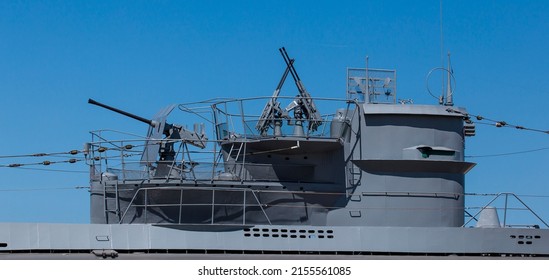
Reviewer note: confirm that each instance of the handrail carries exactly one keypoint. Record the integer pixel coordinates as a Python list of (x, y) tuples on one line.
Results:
[(181, 204), (506, 208), (244, 204)]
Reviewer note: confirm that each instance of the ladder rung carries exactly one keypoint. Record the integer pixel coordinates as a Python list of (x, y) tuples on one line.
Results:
[(232, 150), (110, 194)]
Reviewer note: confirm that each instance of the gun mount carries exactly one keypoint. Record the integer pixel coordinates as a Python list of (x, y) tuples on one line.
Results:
[(272, 113), (303, 106), (159, 151)]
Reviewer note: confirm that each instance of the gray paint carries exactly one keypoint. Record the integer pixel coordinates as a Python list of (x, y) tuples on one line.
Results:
[(372, 178), (143, 237)]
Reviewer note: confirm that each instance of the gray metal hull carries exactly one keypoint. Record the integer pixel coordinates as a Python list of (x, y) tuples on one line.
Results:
[(44, 237), (370, 178)]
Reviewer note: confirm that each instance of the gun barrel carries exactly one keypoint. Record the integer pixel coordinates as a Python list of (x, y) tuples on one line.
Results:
[(141, 119)]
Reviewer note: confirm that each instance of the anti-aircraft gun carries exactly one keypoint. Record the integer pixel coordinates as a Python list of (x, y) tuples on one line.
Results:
[(159, 153), (302, 106)]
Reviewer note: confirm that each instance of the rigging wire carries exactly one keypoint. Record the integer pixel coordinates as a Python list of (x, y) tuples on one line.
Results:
[(127, 148), (72, 152), (509, 154), (52, 170), (499, 124), (69, 154), (126, 152), (493, 122), (45, 163), (496, 194), (43, 189)]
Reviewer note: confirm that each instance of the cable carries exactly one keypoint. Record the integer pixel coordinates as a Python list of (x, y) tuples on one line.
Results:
[(75, 152), (495, 123), (482, 120), (53, 170), (508, 154), (72, 152), (46, 163), (496, 194), (42, 189)]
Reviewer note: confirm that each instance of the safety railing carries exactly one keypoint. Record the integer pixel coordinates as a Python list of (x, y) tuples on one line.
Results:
[(243, 117), (509, 205), (144, 195), (124, 158)]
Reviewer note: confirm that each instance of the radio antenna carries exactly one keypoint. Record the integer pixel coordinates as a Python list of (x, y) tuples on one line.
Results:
[(441, 51)]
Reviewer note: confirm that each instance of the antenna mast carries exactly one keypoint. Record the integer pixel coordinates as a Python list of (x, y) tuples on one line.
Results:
[(449, 92), (441, 55)]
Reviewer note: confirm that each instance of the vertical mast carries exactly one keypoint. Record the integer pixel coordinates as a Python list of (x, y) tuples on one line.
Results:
[(449, 97), (367, 95), (441, 55)]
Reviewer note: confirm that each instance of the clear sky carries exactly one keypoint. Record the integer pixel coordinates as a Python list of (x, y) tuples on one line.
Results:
[(144, 55)]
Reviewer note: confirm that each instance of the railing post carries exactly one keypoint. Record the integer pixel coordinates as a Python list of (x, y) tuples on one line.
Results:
[(261, 207), (242, 168), (180, 205), (530, 209), (474, 217), (146, 202), (191, 164), (213, 206), (244, 209), (505, 210), (123, 163)]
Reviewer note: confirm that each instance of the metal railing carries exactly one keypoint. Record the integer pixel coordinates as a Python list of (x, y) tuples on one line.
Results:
[(123, 158), (229, 119), (249, 200), (506, 209), (239, 117), (144, 192)]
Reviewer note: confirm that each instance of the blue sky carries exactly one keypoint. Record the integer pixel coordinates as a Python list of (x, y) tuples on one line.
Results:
[(144, 55)]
